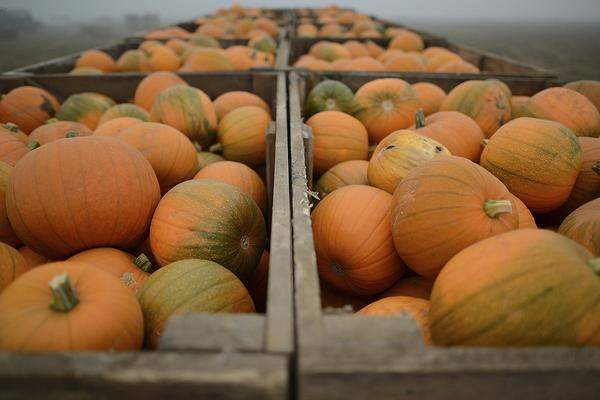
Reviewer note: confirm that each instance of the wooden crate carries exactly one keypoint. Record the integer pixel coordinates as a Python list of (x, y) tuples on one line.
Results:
[(225, 356), (361, 357)]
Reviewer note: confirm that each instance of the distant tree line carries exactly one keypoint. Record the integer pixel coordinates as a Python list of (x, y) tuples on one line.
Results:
[(13, 22)]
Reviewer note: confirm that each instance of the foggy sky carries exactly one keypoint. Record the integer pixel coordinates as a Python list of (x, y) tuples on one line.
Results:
[(178, 10)]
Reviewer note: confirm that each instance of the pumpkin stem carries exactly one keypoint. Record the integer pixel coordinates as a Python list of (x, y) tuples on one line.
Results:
[(216, 148), (51, 121), (494, 207), (143, 262), (596, 167), (11, 127), (485, 142), (419, 118), (33, 144), (197, 146), (64, 297), (71, 134), (594, 263)]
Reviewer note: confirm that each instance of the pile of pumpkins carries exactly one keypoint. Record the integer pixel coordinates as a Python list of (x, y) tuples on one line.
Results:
[(198, 54), (439, 217), (406, 52), (113, 219), (347, 24)]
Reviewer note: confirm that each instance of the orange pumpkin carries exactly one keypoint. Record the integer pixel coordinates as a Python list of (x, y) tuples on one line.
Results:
[(206, 59), (583, 226), (177, 45), (407, 41), (340, 65), (55, 130), (386, 106), (346, 173), (14, 130), (358, 256), (329, 51), (306, 30), (124, 110), (28, 107), (444, 206), (590, 89), (240, 176), (150, 87), (373, 48), (68, 306), (131, 61), (7, 235), (12, 148), (526, 220), (206, 158), (365, 64), (516, 102), (231, 100), (538, 160), (320, 65), (81, 192), (437, 60), (96, 59), (159, 58), (86, 108), (356, 49), (114, 126), (458, 67), (344, 133), (240, 57), (32, 258), (412, 286), (148, 44), (405, 63), (457, 132), (12, 264)]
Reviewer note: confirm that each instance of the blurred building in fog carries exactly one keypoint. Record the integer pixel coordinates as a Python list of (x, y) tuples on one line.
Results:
[(13, 22)]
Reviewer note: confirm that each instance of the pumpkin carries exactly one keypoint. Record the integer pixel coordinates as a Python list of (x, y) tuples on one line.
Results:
[(205, 59), (329, 51), (417, 309), (387, 55), (337, 137), (330, 95), (177, 45), (96, 191), (438, 59), (353, 241), (206, 158), (85, 108), (407, 41), (373, 48), (124, 110), (152, 85), (159, 58), (484, 101), (259, 283), (458, 67), (365, 64), (132, 272), (456, 131), (412, 286), (240, 57), (444, 206), (583, 226), (12, 264), (566, 106), (12, 148), (263, 43), (432, 51), (319, 65), (14, 130), (405, 63), (590, 89), (114, 126), (340, 65), (231, 100), (536, 287), (131, 61), (54, 130), (397, 154), (207, 288), (266, 25), (28, 107), (242, 133), (356, 49), (86, 71), (538, 160), (306, 30), (189, 110), (346, 173), (148, 44), (386, 105), (32, 258), (240, 176), (210, 220), (201, 40), (67, 306), (96, 59), (262, 59), (169, 152), (526, 220), (7, 235), (516, 102), (331, 29)]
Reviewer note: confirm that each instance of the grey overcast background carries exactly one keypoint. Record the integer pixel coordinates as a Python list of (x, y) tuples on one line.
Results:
[(561, 36)]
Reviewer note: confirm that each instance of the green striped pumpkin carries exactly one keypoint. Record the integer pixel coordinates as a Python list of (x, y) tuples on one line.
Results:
[(189, 286), (86, 108), (206, 158), (125, 110), (12, 264), (330, 95), (264, 43)]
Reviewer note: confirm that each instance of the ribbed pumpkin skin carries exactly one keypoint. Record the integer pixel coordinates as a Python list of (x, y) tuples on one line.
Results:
[(455, 131), (57, 130), (206, 287), (12, 264), (152, 85), (418, 309), (346, 173), (114, 126), (240, 176), (116, 262), (32, 258), (204, 59), (169, 152), (386, 106), (159, 58), (516, 102), (96, 59), (590, 89), (96, 191), (337, 137), (397, 154), (583, 226), (242, 135), (209, 220), (85, 108), (353, 243), (231, 100), (107, 317), (484, 101), (538, 160), (526, 220), (534, 285), (438, 210), (14, 130), (430, 96), (28, 107), (330, 95), (566, 106), (12, 149), (412, 286), (124, 110), (189, 110), (130, 61), (7, 235), (205, 158)]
